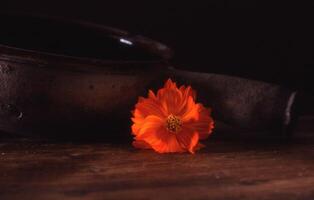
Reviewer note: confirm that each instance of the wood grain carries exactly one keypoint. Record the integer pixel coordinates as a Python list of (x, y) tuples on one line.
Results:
[(241, 169)]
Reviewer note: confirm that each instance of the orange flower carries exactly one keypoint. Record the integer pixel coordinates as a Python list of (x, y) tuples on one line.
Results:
[(170, 121)]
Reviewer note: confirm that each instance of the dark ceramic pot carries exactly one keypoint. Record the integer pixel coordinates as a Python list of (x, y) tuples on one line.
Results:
[(59, 77)]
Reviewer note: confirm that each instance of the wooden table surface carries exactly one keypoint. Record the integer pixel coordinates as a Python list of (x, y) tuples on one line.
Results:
[(225, 169)]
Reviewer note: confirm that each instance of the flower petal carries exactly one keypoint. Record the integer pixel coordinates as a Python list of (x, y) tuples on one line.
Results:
[(150, 119), (171, 99), (140, 144), (204, 125), (150, 123), (161, 141), (188, 140), (188, 91), (170, 84), (199, 146), (191, 111), (147, 107)]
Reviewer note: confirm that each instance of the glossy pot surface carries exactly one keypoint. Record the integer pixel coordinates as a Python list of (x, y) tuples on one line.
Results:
[(59, 77)]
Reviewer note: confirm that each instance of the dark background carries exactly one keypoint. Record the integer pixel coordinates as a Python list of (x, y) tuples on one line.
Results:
[(245, 38)]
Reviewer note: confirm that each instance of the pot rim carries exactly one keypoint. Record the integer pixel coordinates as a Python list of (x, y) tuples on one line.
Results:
[(42, 58)]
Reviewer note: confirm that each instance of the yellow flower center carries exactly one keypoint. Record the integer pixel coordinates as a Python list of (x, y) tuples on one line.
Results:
[(173, 123)]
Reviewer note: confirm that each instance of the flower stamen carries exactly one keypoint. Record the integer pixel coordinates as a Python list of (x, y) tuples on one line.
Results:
[(173, 123)]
